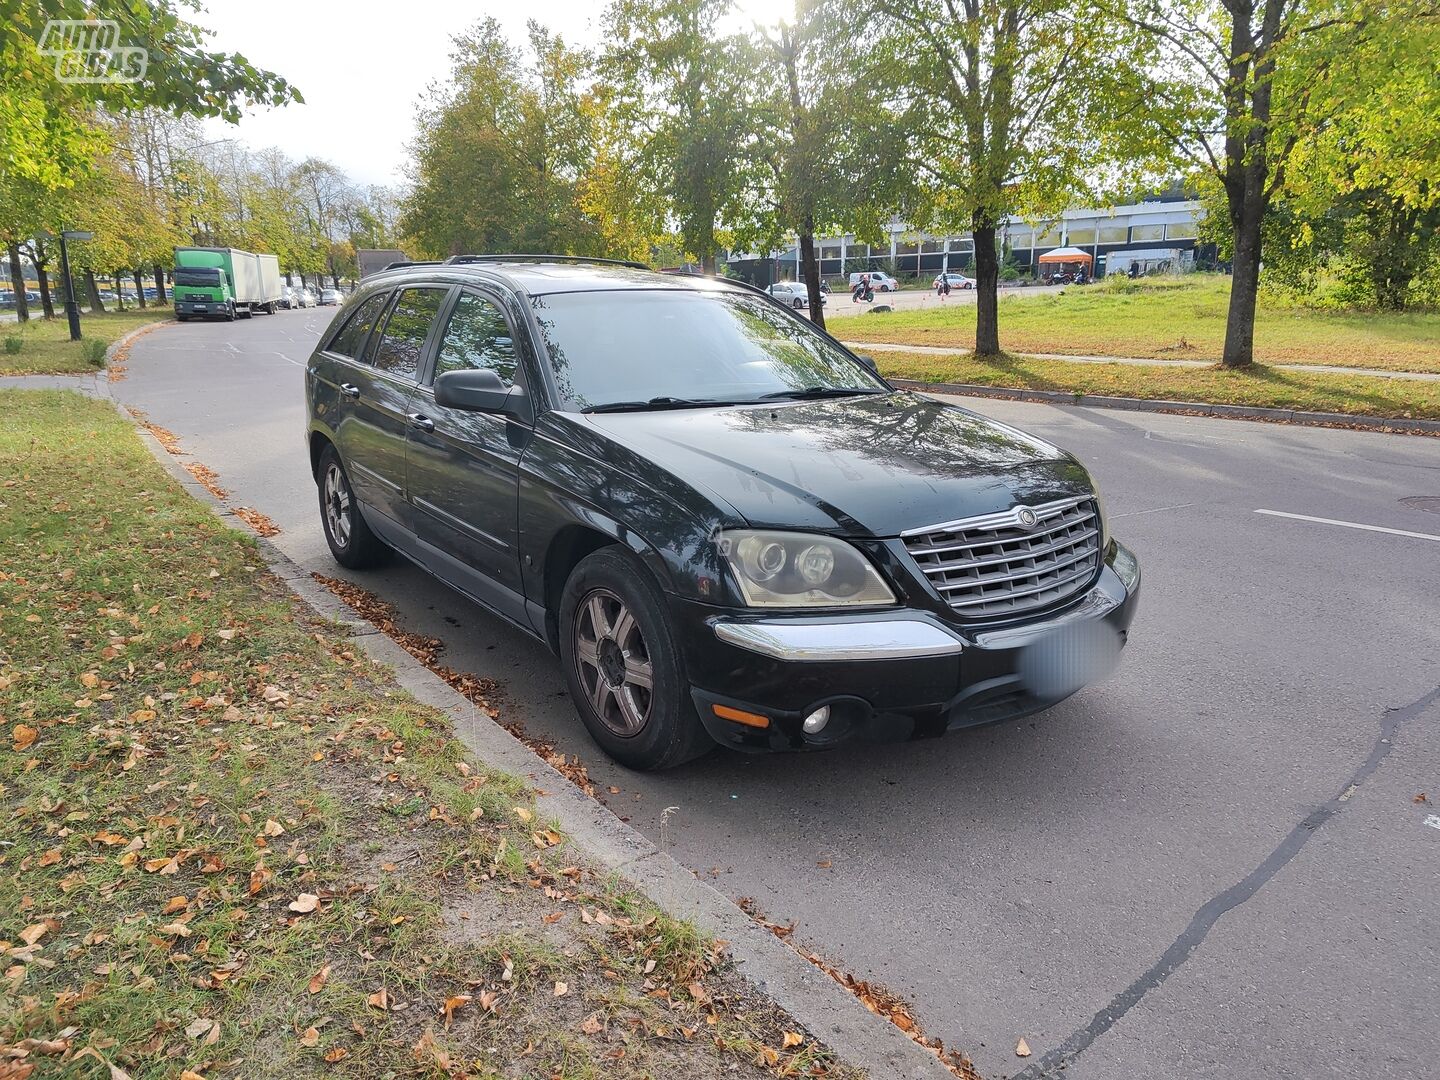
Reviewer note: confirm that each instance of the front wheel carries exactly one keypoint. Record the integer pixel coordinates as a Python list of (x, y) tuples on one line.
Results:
[(623, 666), (350, 539)]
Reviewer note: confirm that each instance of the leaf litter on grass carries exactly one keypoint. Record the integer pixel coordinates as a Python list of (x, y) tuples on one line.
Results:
[(237, 849)]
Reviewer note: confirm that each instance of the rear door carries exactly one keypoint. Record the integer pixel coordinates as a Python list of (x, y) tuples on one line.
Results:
[(463, 466), (373, 442)]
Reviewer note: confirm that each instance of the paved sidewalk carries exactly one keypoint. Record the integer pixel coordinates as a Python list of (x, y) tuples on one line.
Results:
[(1328, 369)]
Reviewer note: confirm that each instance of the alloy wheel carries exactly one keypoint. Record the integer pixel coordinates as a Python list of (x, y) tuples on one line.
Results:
[(337, 505), (613, 663)]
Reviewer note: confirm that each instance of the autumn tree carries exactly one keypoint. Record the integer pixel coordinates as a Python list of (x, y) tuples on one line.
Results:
[(1237, 89), (679, 86), (1006, 101)]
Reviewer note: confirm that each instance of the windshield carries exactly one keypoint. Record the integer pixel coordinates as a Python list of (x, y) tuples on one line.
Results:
[(196, 275), (634, 345)]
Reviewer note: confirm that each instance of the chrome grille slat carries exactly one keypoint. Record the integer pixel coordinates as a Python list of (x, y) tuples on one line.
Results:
[(994, 565), (1068, 541)]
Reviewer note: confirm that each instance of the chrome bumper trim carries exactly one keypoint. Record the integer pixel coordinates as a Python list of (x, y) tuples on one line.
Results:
[(841, 639)]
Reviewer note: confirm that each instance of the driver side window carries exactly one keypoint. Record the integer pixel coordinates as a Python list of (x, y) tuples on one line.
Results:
[(477, 337)]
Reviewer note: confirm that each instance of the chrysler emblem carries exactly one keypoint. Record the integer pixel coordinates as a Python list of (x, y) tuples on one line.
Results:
[(1026, 517)]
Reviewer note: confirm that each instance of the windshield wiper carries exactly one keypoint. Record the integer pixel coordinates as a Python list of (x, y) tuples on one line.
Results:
[(653, 403), (819, 392)]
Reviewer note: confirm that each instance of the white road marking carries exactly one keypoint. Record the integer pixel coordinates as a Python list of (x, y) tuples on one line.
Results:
[(1433, 821), (1156, 510), (1352, 525)]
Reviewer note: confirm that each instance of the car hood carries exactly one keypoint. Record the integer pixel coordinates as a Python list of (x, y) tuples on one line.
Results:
[(862, 466)]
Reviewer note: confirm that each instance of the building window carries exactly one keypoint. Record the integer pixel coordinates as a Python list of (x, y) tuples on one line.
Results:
[(1113, 234), (1049, 238), (1145, 233), (1081, 237), (1178, 231), (830, 251), (1021, 238)]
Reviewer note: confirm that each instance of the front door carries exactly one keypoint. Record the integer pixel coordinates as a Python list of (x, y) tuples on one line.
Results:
[(463, 467)]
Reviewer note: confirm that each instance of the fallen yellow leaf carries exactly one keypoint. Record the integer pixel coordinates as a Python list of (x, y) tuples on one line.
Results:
[(1022, 1049), (318, 980), (305, 903), (790, 1039)]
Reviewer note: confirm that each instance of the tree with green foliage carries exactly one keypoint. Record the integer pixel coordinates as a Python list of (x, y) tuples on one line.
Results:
[(1007, 102), (1239, 89), (504, 148), (829, 156), (679, 87)]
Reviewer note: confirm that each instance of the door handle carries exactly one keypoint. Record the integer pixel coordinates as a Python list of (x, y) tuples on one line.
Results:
[(419, 420), (350, 390)]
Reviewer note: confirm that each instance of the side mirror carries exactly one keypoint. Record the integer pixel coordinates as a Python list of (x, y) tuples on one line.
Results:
[(476, 390), (868, 361)]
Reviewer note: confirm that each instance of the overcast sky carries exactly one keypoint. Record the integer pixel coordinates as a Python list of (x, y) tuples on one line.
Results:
[(362, 66)]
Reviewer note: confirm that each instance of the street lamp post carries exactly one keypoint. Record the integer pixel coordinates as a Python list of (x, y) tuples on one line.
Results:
[(72, 306)]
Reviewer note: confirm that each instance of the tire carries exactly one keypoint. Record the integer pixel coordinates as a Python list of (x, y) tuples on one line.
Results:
[(246, 312), (614, 635), (182, 318), (351, 542), (230, 314)]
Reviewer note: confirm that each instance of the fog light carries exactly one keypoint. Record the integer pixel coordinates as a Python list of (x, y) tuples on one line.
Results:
[(816, 721)]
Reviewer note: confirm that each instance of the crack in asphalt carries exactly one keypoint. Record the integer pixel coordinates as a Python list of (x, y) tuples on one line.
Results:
[(1211, 911)]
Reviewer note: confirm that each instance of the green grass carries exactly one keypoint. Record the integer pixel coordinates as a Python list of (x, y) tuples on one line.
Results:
[(46, 348), (188, 759), (1261, 386), (1165, 318)]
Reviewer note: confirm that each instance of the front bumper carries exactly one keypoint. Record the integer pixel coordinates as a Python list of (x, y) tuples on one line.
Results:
[(889, 675)]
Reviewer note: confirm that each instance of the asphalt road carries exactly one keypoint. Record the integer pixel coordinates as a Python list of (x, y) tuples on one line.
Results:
[(1212, 865)]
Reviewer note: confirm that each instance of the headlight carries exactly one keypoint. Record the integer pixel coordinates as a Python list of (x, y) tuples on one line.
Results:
[(784, 569)]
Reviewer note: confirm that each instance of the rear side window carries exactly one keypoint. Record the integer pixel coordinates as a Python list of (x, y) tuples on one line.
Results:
[(406, 330), (477, 337), (352, 336)]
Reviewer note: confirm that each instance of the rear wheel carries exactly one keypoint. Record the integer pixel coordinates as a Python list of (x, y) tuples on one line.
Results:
[(350, 539), (623, 666)]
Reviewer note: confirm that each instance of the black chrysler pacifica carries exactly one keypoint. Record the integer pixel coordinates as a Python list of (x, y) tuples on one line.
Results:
[(729, 528)]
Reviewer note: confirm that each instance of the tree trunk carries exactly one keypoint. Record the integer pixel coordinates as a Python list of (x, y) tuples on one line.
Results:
[(160, 297), (810, 270), (987, 285), (17, 283), (96, 304), (140, 290), (46, 302), (118, 282), (1239, 350)]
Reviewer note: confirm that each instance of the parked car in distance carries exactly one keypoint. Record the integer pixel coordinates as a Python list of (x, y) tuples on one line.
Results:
[(957, 281), (793, 294), (728, 528), (879, 280), (329, 297)]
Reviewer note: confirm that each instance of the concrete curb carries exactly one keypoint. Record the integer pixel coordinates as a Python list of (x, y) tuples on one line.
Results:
[(130, 335), (1189, 408), (834, 1016)]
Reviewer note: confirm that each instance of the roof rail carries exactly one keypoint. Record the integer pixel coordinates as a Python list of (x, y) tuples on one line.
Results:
[(458, 260), (677, 272), (411, 262)]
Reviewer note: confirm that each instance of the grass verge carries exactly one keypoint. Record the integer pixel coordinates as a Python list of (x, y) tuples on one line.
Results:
[(232, 848), (1260, 386), (46, 349), (1181, 318)]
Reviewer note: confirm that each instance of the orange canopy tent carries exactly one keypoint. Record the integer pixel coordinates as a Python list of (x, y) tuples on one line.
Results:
[(1067, 255)]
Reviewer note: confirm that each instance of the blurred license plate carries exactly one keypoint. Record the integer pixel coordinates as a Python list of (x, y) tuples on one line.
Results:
[(1067, 657)]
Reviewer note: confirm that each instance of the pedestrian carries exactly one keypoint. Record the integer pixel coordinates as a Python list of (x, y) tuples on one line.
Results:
[(944, 287)]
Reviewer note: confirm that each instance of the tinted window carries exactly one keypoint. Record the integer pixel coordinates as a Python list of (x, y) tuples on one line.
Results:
[(352, 337), (477, 337), (632, 345), (406, 330)]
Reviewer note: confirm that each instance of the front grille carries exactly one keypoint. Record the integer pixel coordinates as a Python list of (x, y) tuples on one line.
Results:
[(995, 565)]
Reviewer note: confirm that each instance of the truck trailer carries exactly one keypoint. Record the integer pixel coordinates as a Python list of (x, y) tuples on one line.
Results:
[(221, 283)]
